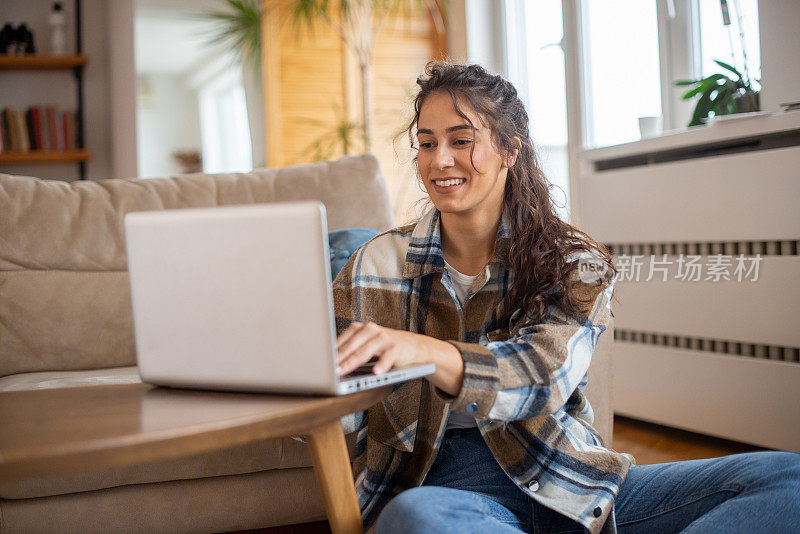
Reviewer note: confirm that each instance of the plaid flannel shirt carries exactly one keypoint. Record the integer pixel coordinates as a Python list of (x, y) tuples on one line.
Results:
[(523, 385)]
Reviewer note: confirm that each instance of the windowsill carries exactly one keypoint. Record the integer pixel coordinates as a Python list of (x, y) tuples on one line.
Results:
[(781, 121)]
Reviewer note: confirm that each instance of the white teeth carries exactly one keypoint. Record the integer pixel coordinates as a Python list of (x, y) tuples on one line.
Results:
[(448, 183)]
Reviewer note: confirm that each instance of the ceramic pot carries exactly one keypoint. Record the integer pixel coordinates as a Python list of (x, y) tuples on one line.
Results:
[(747, 101)]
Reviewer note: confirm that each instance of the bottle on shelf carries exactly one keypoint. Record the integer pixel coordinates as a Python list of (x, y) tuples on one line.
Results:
[(57, 21)]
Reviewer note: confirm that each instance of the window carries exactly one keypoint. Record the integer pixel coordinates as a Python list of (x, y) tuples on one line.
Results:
[(627, 56), (536, 68), (621, 59), (718, 41), (631, 53), (224, 126)]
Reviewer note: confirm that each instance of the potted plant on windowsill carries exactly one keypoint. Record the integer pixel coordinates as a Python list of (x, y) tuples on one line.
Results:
[(721, 94)]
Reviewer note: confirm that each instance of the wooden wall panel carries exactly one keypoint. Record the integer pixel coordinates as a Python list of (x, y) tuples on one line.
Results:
[(401, 52), (305, 80), (303, 84)]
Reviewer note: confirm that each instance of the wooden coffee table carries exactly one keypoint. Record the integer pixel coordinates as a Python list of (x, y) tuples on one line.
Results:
[(60, 431)]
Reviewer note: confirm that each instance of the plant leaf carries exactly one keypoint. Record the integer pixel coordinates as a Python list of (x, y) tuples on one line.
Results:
[(705, 85), (701, 109), (728, 67), (239, 29)]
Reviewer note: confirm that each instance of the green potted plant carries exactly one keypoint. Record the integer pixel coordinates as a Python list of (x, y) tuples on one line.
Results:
[(340, 138), (721, 94), (238, 28)]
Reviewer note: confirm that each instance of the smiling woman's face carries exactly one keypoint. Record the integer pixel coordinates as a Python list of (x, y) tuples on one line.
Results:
[(445, 143)]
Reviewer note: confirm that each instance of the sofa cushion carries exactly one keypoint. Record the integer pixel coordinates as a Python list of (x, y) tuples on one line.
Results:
[(61, 319), (266, 455), (70, 379), (214, 504), (282, 453), (63, 270), (343, 243)]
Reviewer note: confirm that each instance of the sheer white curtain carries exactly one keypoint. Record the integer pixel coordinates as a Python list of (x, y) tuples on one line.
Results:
[(223, 123)]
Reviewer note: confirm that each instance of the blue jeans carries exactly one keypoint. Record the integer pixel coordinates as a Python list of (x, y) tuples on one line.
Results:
[(467, 491)]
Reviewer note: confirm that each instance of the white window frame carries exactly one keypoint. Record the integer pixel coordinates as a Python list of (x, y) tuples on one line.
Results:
[(679, 57)]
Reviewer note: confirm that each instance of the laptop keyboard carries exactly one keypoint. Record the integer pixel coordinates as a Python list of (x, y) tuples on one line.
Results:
[(364, 370)]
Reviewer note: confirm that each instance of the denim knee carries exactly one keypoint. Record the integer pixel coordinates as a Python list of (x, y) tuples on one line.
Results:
[(420, 509), (784, 468), (776, 473), (775, 466), (401, 513)]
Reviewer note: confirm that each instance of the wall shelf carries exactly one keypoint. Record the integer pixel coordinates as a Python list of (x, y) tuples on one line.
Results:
[(41, 156), (41, 62), (76, 63)]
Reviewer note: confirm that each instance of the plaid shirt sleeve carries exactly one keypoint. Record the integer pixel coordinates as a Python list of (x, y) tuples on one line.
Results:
[(538, 367)]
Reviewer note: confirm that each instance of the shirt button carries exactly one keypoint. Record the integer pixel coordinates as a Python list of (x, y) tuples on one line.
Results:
[(534, 486), (598, 512), (472, 407)]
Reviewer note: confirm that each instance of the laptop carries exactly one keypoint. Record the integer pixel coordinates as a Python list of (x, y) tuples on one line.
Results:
[(239, 298)]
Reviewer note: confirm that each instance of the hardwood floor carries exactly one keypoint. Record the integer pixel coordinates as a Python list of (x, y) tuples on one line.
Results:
[(648, 443), (654, 444)]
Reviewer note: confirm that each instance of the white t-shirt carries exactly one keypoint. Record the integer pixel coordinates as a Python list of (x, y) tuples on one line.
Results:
[(461, 285)]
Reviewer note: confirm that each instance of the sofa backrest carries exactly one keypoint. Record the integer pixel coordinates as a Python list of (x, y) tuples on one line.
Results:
[(64, 294)]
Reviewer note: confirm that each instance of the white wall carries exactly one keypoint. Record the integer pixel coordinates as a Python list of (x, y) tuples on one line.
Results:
[(779, 26), (158, 138), (122, 89)]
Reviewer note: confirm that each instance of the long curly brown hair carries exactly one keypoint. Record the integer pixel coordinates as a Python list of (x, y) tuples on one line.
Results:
[(543, 247)]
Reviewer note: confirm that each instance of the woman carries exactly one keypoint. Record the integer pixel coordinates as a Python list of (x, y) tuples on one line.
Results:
[(488, 286)]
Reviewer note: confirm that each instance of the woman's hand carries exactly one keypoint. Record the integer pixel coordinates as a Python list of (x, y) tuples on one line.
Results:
[(360, 342)]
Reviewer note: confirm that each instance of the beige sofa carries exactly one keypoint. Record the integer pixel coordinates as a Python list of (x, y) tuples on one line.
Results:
[(65, 321)]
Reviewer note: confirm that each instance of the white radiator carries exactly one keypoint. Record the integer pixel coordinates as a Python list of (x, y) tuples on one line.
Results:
[(712, 355)]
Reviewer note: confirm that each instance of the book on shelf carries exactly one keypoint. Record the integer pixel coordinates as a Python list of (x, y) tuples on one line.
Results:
[(35, 124), (60, 132), (30, 122), (46, 145), (29, 129), (22, 131), (65, 119), (38, 128), (8, 127), (50, 111)]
